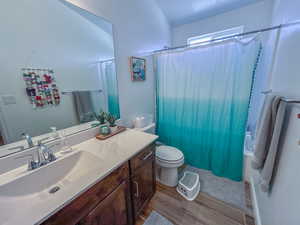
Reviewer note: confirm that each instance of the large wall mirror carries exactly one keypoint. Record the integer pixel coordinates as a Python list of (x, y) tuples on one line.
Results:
[(57, 68)]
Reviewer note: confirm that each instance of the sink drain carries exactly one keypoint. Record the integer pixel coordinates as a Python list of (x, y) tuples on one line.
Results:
[(54, 190)]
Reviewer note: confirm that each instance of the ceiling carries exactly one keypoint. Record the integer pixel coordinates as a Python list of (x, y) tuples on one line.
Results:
[(98, 21), (186, 11)]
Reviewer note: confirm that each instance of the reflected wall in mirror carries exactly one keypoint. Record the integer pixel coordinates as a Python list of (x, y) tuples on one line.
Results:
[(76, 45)]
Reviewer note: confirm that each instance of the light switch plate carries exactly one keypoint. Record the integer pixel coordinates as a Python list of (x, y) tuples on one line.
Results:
[(9, 99)]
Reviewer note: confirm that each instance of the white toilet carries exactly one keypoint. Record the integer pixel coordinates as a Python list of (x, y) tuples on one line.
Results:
[(168, 159)]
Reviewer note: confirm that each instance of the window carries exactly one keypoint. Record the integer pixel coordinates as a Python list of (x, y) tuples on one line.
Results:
[(210, 37)]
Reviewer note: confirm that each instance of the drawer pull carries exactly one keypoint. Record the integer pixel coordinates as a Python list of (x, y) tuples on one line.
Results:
[(137, 194), (147, 156)]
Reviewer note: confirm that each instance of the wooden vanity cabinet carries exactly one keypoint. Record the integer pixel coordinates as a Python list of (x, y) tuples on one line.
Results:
[(112, 210), (114, 184), (117, 199), (142, 179)]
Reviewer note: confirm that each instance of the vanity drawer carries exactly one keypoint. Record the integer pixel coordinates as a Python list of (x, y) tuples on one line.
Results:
[(84, 204), (148, 154)]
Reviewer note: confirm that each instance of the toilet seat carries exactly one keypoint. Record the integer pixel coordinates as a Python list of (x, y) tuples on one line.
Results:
[(168, 161), (169, 157), (168, 154)]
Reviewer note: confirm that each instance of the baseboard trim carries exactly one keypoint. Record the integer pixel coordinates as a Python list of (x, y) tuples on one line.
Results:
[(254, 202)]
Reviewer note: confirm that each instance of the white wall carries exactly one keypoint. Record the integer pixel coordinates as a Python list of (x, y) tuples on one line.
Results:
[(281, 206), (46, 34), (252, 17), (286, 77), (139, 26)]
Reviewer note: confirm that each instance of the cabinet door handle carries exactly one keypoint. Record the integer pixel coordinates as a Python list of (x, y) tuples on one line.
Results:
[(137, 194), (147, 156)]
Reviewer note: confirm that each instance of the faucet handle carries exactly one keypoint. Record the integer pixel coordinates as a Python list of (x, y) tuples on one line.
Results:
[(31, 163), (28, 139), (51, 155)]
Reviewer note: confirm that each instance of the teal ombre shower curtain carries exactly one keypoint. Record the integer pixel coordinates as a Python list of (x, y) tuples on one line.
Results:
[(202, 103), (110, 77)]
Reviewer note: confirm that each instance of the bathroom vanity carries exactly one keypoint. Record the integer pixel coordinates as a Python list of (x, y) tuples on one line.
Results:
[(117, 199), (95, 182)]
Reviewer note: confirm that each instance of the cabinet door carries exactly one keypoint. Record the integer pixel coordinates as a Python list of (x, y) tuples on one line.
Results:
[(85, 203), (113, 210), (143, 186)]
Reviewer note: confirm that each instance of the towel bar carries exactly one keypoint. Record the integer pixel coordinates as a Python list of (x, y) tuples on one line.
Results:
[(70, 92), (288, 100)]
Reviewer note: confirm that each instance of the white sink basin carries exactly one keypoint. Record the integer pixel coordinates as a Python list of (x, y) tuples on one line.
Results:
[(34, 187), (63, 171)]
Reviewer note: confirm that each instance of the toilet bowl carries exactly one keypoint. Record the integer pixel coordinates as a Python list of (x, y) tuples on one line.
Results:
[(168, 159)]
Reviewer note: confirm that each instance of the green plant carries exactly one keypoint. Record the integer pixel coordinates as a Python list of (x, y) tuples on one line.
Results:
[(111, 119), (101, 117)]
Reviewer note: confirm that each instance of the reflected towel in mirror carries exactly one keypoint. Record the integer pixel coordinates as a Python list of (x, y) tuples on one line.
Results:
[(83, 106)]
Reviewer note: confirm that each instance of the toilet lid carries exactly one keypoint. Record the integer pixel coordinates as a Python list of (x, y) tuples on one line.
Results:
[(168, 153)]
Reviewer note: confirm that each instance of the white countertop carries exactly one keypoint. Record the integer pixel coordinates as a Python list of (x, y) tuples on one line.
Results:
[(113, 152)]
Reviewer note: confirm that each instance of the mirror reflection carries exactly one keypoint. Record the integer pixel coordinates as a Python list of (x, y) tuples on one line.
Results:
[(62, 75)]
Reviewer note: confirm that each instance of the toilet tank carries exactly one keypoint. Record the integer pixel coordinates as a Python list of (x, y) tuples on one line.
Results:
[(148, 129), (144, 123)]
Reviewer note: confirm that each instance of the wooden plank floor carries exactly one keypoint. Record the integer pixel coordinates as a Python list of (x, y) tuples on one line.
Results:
[(205, 210)]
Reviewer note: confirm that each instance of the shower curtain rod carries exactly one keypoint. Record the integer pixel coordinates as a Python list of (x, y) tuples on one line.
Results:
[(231, 36)]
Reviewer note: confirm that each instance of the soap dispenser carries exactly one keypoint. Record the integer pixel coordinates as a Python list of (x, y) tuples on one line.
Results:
[(54, 133), (64, 141)]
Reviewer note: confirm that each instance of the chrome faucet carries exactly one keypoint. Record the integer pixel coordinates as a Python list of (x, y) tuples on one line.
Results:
[(28, 139), (44, 155)]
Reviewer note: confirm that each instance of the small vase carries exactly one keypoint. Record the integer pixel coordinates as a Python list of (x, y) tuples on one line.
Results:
[(104, 130)]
